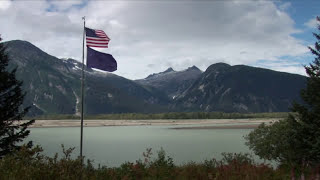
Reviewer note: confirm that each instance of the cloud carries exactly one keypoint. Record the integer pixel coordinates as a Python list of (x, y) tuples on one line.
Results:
[(311, 23), (285, 66), (285, 6), (148, 37), (62, 5), (5, 4)]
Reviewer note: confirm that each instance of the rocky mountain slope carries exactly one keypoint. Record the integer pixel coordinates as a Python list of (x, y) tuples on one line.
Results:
[(173, 83), (241, 89), (53, 87)]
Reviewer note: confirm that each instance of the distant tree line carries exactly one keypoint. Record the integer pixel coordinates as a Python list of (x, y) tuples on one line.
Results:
[(171, 115)]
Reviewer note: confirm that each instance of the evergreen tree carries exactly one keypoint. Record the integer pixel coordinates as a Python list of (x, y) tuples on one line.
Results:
[(296, 140), (309, 113), (12, 129)]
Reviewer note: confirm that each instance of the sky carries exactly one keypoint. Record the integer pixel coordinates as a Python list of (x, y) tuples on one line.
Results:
[(150, 36)]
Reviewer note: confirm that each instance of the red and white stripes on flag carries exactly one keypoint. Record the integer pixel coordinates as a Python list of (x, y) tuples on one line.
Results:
[(96, 38)]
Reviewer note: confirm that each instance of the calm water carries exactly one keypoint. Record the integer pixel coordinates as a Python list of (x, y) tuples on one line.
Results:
[(115, 145)]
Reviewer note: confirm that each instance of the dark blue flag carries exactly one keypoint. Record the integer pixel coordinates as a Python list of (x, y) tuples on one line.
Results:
[(99, 60)]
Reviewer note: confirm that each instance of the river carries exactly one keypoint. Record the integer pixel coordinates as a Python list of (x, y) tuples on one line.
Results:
[(114, 145)]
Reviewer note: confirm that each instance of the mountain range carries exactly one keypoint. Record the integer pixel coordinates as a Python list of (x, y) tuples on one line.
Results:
[(52, 86)]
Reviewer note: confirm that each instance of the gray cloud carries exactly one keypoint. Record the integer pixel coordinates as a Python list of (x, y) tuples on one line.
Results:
[(165, 34)]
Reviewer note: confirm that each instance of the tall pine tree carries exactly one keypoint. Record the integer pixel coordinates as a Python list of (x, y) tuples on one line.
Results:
[(295, 140), (309, 112), (12, 129)]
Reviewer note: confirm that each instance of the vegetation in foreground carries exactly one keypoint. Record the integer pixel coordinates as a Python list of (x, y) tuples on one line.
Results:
[(171, 115), (31, 164)]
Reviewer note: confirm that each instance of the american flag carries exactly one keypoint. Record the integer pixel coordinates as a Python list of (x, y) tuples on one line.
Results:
[(96, 38)]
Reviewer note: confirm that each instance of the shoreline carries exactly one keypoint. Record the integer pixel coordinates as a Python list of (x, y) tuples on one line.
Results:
[(207, 123), (229, 126)]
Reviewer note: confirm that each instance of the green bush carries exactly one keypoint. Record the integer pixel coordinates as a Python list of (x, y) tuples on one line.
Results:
[(31, 164)]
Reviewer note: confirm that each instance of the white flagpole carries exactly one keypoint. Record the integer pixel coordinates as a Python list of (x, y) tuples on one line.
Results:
[(82, 89)]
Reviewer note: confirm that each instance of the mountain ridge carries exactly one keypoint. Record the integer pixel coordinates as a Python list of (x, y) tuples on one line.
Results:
[(242, 88), (53, 87), (171, 82)]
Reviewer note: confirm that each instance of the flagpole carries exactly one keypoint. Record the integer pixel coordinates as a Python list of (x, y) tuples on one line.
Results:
[(82, 89)]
